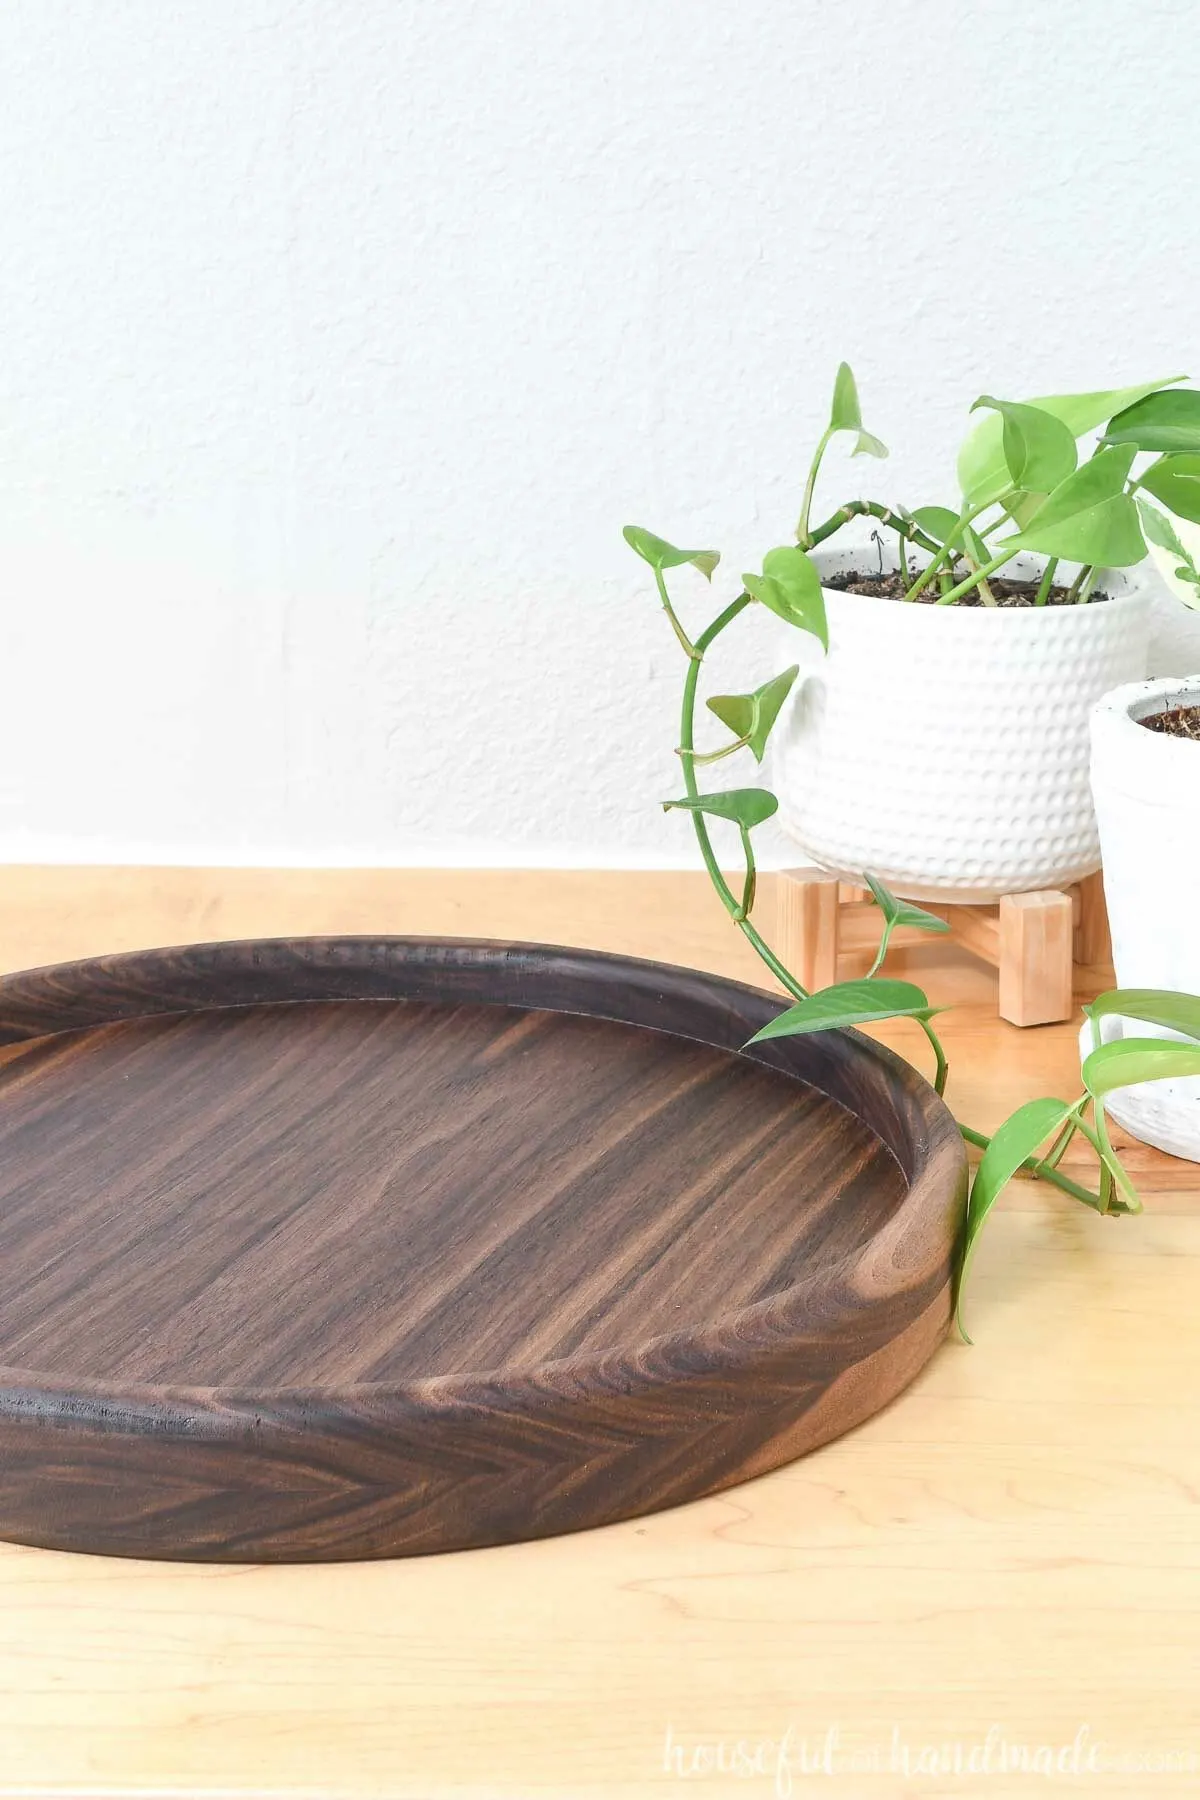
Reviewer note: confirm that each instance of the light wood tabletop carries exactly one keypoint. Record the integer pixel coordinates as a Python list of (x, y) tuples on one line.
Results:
[(992, 1588)]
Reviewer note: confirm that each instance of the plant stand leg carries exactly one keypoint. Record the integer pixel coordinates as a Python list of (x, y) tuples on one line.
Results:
[(1093, 940), (1036, 957), (806, 925)]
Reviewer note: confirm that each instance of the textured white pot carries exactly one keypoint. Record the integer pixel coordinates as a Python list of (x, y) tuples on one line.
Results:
[(1147, 792), (944, 748)]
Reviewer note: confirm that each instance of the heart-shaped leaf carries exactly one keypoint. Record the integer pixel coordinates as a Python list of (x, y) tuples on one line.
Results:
[(1153, 1006), (791, 587), (938, 522), (1011, 1145), (752, 716), (848, 1003), (903, 912), (661, 555), (1168, 421), (1089, 517), (982, 470), (1039, 450), (845, 414), (1129, 1061), (1175, 480), (1159, 530), (746, 807)]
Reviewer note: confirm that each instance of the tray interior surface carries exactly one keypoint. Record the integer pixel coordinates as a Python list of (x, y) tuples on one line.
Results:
[(335, 1192)]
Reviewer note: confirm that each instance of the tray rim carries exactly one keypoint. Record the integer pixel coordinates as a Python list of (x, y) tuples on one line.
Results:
[(935, 1182)]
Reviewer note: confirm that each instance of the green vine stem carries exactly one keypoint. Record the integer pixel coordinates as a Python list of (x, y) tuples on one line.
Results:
[(738, 910), (867, 509), (1047, 582)]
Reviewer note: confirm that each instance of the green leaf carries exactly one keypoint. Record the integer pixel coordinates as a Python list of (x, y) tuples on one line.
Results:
[(1159, 529), (1129, 1061), (746, 807), (848, 1003), (1168, 421), (982, 470), (1088, 518), (1016, 1139), (903, 912), (791, 587), (936, 522), (1175, 480), (845, 414), (661, 555), (752, 716), (1039, 450), (1153, 1006)]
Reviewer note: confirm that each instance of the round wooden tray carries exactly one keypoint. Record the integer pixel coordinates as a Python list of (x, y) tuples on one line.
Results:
[(355, 1247)]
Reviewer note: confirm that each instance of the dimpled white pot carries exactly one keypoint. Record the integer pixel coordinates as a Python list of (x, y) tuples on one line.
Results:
[(945, 748), (1147, 792)]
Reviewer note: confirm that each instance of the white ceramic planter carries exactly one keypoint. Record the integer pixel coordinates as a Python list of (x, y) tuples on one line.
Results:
[(945, 748), (1147, 792)]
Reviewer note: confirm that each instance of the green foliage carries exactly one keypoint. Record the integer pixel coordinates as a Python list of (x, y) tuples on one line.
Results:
[(661, 555), (752, 716), (1089, 517), (1169, 421), (1130, 1061), (1039, 450), (1010, 1147), (845, 414), (848, 1003), (1152, 1006), (746, 807), (982, 469), (1175, 480), (939, 523), (902, 912), (791, 588), (1159, 530)]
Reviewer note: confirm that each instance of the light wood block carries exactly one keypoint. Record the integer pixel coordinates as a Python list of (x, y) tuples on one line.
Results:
[(1093, 939), (806, 925), (1036, 957)]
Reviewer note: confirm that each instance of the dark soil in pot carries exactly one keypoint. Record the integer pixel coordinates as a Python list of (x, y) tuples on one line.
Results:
[(1004, 592), (1176, 721)]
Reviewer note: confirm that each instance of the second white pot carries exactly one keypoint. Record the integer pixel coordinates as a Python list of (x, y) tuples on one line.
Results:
[(945, 748), (1147, 789)]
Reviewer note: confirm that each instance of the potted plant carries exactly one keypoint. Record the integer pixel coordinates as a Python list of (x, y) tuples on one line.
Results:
[(937, 733), (1146, 780), (1036, 1136)]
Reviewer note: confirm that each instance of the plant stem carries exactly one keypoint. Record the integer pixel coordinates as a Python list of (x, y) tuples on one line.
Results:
[(871, 509), (688, 647), (1044, 1170), (974, 579), (1073, 592), (946, 550), (943, 1068), (687, 724), (1046, 583), (802, 534)]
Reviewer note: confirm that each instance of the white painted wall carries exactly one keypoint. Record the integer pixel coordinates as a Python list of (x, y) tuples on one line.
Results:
[(338, 338)]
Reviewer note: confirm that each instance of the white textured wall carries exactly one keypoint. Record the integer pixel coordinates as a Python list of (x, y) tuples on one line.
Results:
[(338, 338)]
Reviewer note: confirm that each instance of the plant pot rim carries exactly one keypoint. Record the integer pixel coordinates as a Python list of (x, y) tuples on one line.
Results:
[(1124, 708), (1134, 595)]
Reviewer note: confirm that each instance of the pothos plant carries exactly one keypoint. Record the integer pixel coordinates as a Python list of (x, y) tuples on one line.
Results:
[(1016, 464)]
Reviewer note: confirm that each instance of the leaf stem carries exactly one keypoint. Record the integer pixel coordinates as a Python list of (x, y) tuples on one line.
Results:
[(943, 1067), (1046, 583), (737, 909), (802, 533), (688, 647), (947, 549), (1043, 1170), (974, 579), (870, 509)]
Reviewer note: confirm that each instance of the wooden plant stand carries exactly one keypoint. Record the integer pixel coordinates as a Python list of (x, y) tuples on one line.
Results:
[(1033, 940)]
